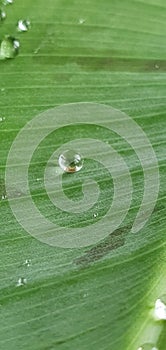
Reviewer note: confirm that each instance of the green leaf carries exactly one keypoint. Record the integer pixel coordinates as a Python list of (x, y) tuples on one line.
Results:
[(102, 296)]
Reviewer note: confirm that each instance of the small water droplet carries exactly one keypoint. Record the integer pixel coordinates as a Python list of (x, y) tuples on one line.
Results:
[(23, 25), (2, 15), (160, 308), (7, 2), (9, 47), (147, 346), (37, 50), (4, 196), (156, 66), (81, 20), (2, 119), (95, 215), (27, 262), (85, 295), (70, 161), (21, 281)]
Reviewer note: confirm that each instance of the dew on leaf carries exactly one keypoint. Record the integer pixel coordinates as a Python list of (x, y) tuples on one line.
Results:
[(37, 50), (70, 161), (147, 346), (160, 308), (21, 281), (2, 15), (8, 2), (156, 66), (23, 25), (4, 196), (27, 262), (85, 295), (2, 119), (81, 20), (9, 47)]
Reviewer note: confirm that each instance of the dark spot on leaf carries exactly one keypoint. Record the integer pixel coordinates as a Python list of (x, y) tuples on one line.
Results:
[(106, 63), (120, 64), (112, 242), (61, 77)]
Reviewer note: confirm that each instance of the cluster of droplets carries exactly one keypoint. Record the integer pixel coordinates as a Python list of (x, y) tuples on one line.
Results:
[(9, 46), (147, 346), (22, 281), (2, 119), (159, 314)]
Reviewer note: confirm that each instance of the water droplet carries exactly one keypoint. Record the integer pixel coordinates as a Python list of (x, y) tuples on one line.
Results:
[(21, 281), (85, 295), (2, 119), (70, 161), (9, 47), (160, 308), (7, 2), (2, 15), (4, 196), (37, 50), (156, 66), (81, 20), (147, 346), (23, 25), (95, 215), (27, 262)]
